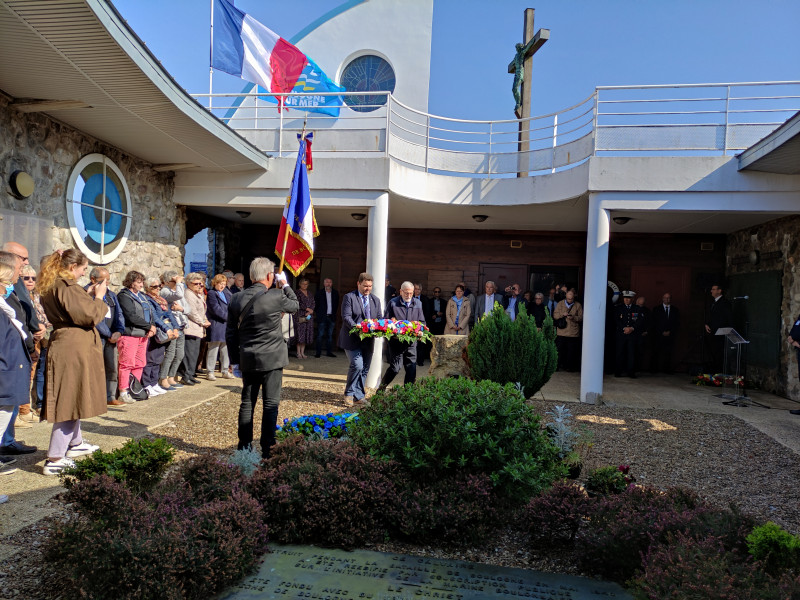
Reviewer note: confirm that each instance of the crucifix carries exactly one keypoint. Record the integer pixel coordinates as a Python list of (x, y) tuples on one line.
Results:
[(521, 68)]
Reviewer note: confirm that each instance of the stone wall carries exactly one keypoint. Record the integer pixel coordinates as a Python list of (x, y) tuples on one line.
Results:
[(48, 150), (778, 246)]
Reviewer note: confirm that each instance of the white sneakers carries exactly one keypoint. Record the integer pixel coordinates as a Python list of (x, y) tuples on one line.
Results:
[(81, 449), (126, 397), (155, 390), (54, 467)]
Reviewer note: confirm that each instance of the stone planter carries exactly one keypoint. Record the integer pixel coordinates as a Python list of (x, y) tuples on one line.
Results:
[(447, 356)]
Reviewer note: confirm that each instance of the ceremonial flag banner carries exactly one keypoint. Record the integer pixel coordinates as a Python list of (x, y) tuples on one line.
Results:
[(244, 47), (295, 245)]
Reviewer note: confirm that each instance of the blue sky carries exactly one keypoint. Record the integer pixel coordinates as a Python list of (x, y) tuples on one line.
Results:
[(593, 42)]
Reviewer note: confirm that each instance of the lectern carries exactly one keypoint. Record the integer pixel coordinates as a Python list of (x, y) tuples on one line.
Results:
[(733, 378)]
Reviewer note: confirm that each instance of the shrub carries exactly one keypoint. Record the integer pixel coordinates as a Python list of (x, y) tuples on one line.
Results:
[(318, 426), (208, 479), (556, 516), (139, 464), (456, 509), (246, 460), (621, 528), (157, 545), (327, 492), (776, 548), (686, 568), (438, 427), (608, 480), (506, 351)]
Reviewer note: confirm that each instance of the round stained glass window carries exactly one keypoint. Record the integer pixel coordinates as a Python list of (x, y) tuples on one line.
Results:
[(98, 208), (367, 74)]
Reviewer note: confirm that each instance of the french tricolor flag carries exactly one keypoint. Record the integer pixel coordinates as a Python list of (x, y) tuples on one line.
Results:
[(242, 46)]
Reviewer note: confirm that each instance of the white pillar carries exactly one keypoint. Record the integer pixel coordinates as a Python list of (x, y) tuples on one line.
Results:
[(377, 235), (594, 307)]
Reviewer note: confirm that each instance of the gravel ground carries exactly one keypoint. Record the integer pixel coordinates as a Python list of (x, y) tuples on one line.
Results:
[(721, 457)]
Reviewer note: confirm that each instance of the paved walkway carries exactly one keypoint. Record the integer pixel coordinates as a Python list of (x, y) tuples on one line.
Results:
[(31, 492)]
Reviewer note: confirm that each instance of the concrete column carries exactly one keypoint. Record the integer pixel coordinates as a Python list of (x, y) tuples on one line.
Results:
[(377, 235), (594, 307)]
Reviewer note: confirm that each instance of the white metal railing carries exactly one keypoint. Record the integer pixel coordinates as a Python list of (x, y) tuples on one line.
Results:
[(692, 119)]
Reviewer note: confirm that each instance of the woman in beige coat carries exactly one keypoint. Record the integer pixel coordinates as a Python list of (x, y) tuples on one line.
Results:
[(195, 329), (457, 313), (76, 379)]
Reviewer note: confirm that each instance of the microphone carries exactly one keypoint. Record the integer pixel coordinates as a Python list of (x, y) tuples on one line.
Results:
[(742, 298)]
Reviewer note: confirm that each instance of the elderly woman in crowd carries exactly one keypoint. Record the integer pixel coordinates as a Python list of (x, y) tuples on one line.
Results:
[(538, 309), (139, 328), (75, 374), (303, 323), (166, 332), (173, 290), (195, 329), (28, 274), (15, 361), (219, 298), (457, 313)]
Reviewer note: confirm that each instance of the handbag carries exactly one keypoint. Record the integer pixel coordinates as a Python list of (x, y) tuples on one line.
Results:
[(161, 336), (561, 323), (136, 390)]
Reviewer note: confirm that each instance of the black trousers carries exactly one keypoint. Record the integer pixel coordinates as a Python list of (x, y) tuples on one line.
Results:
[(112, 370), (253, 382), (191, 351), (662, 353), (569, 349), (626, 353), (401, 354)]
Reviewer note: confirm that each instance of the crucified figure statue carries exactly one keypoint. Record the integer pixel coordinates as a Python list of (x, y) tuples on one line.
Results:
[(519, 76)]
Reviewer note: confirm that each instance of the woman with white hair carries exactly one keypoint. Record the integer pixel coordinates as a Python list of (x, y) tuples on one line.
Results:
[(195, 330), (166, 331), (173, 290), (28, 274)]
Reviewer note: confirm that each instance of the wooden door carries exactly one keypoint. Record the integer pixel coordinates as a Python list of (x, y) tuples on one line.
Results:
[(503, 275)]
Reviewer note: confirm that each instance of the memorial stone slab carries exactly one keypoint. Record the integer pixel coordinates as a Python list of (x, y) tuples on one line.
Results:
[(329, 574)]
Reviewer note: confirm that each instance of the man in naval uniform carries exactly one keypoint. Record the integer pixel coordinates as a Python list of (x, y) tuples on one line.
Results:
[(627, 324)]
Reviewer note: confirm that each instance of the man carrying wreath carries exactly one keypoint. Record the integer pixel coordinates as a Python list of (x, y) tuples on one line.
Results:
[(359, 305), (403, 308)]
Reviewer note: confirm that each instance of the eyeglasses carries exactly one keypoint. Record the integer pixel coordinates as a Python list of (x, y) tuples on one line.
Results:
[(28, 278), (22, 258), (196, 283), (155, 287)]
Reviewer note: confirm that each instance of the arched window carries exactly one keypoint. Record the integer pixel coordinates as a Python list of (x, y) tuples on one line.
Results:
[(367, 73)]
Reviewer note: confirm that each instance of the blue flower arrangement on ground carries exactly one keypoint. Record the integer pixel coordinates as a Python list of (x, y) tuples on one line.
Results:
[(318, 426)]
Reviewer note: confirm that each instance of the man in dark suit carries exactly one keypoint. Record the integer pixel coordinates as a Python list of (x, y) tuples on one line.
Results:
[(358, 305), (438, 305), (485, 302), (512, 301), (666, 320), (255, 341), (719, 314), (327, 304), (403, 308), (423, 350)]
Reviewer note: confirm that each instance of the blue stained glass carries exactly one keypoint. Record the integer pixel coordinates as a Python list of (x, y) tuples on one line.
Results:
[(367, 74), (92, 204)]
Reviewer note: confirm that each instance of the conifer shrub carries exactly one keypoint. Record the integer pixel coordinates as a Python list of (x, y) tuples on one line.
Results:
[(328, 492), (436, 428), (139, 464), (506, 351), (461, 509), (554, 517), (165, 544)]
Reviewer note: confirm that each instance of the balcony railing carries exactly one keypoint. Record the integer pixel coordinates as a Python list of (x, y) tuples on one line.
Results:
[(674, 120)]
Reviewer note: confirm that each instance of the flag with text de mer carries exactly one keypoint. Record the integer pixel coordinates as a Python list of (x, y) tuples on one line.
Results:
[(244, 47), (298, 225)]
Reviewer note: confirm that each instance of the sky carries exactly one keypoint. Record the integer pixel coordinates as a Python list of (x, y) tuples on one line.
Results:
[(592, 43)]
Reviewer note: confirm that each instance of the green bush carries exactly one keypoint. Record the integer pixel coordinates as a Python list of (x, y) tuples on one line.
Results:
[(139, 464), (776, 548), (607, 480), (506, 351), (436, 428)]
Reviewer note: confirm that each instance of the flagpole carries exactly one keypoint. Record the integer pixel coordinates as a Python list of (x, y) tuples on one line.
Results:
[(211, 59), (286, 231)]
